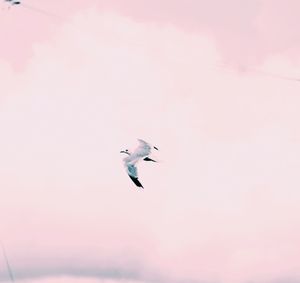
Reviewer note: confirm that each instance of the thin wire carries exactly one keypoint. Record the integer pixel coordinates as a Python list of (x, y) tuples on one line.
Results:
[(276, 76), (41, 11), (54, 16), (10, 272), (231, 68)]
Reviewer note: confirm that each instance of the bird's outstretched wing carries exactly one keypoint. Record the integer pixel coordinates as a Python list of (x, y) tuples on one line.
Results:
[(143, 150), (131, 170), (132, 173)]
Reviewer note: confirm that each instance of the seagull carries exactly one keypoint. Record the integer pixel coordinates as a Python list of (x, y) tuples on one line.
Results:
[(141, 152), (13, 2)]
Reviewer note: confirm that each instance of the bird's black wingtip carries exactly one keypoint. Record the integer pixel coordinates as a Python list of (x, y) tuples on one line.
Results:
[(155, 147), (136, 181), (149, 159)]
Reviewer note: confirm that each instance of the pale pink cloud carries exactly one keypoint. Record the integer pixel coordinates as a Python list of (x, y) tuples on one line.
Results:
[(246, 32)]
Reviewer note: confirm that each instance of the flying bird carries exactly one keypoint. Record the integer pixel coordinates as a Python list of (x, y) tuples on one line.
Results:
[(142, 152), (13, 2)]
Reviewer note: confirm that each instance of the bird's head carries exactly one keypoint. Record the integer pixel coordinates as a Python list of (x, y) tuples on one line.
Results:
[(125, 151)]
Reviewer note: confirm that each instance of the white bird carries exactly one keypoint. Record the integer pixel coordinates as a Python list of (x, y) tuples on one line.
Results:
[(13, 2), (141, 152)]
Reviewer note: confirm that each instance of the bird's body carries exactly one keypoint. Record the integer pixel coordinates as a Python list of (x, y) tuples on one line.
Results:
[(140, 153)]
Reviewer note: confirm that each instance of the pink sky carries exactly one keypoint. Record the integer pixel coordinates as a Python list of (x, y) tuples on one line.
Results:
[(223, 203)]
